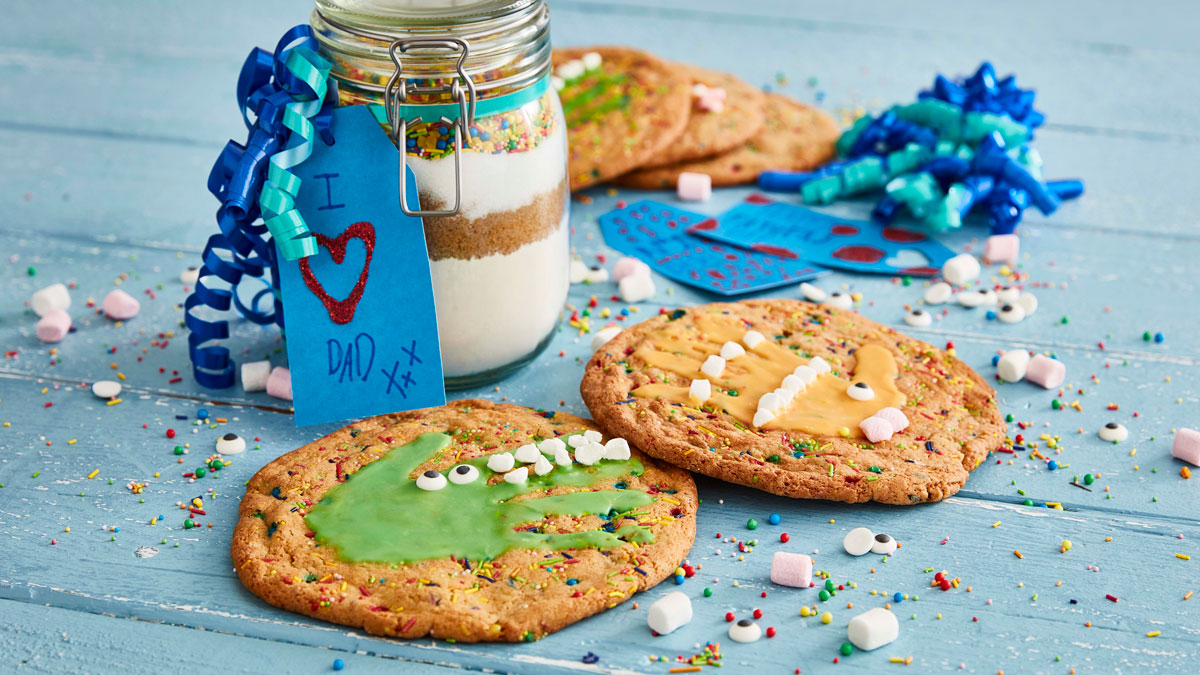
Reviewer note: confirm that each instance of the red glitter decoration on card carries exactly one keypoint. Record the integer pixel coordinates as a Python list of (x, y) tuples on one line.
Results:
[(342, 311)]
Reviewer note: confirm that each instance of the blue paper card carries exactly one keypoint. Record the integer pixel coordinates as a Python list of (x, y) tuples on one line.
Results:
[(359, 317), (853, 245), (663, 237)]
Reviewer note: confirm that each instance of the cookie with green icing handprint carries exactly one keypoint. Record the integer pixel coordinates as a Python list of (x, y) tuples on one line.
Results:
[(471, 521)]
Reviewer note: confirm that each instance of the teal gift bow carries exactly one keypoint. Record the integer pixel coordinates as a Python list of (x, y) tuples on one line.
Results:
[(287, 99)]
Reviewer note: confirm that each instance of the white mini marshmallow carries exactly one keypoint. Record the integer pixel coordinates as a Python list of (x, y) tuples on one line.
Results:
[(1028, 302), (669, 612), (527, 454), (807, 374), (562, 457), (589, 453), (190, 275), (858, 541), (812, 293), (753, 338), (557, 82), (54, 296), (938, 293), (840, 300), (571, 69), (106, 389), (617, 449), (762, 417), (592, 60), (873, 629), (1012, 365), (732, 350), (517, 476), (501, 462), (960, 269), (918, 318), (636, 288), (604, 335), (769, 402), (713, 366), (576, 441), (255, 375), (593, 436), (700, 390), (551, 446), (819, 364), (794, 384), (542, 466)]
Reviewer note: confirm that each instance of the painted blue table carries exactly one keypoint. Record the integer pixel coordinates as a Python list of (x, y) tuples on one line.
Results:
[(110, 117)]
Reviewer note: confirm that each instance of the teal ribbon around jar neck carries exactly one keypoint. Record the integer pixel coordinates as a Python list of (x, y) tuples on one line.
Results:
[(483, 107)]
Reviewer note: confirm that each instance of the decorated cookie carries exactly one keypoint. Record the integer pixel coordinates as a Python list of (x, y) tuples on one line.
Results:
[(830, 405), (409, 525), (726, 112), (794, 137), (622, 106)]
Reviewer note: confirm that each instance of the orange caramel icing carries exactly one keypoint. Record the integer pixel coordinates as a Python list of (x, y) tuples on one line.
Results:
[(823, 408)]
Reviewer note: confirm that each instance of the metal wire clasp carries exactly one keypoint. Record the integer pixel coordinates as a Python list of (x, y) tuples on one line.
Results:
[(395, 95)]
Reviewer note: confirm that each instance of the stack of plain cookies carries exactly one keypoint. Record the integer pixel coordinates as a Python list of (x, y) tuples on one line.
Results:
[(639, 121)]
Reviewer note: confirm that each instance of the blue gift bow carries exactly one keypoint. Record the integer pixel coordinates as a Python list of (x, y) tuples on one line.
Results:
[(278, 93)]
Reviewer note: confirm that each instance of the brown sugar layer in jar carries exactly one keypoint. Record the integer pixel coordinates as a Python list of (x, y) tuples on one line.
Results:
[(497, 233)]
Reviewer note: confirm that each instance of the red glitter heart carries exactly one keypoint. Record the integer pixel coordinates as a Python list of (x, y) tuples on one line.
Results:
[(342, 311)]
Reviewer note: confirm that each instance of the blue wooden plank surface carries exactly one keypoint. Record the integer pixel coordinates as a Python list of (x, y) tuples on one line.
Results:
[(118, 191)]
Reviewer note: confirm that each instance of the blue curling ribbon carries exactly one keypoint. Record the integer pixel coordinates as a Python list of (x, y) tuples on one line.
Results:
[(286, 99)]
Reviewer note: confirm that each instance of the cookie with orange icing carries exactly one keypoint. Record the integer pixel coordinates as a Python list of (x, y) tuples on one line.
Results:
[(796, 399)]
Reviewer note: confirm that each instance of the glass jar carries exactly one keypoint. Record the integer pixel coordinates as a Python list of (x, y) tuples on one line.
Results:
[(498, 240)]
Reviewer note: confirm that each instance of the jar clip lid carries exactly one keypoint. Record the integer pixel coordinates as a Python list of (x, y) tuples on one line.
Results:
[(395, 95)]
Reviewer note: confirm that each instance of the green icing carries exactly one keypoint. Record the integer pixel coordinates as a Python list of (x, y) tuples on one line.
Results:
[(576, 107), (380, 515)]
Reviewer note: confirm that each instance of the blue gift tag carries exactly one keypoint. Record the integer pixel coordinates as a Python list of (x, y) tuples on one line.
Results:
[(853, 245), (360, 325), (664, 238)]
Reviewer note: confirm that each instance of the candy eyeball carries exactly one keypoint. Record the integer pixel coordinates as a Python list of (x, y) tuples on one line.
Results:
[(190, 275), (918, 317), (1114, 432), (883, 545), (1008, 294), (977, 298), (1028, 302), (860, 391), (745, 631), (858, 541), (463, 474), (431, 480), (230, 444), (840, 300), (1011, 314)]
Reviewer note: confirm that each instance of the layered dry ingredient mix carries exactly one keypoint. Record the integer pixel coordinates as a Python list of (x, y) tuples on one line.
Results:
[(499, 266)]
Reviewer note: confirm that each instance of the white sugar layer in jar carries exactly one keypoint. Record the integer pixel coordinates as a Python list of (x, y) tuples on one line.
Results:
[(496, 309)]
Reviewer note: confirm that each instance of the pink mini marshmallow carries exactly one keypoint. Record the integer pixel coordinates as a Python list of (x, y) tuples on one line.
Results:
[(894, 417), (1045, 371), (1002, 248), (279, 383), (712, 101), (694, 187), (876, 429), (628, 267), (53, 326), (791, 569), (119, 305), (1187, 446)]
